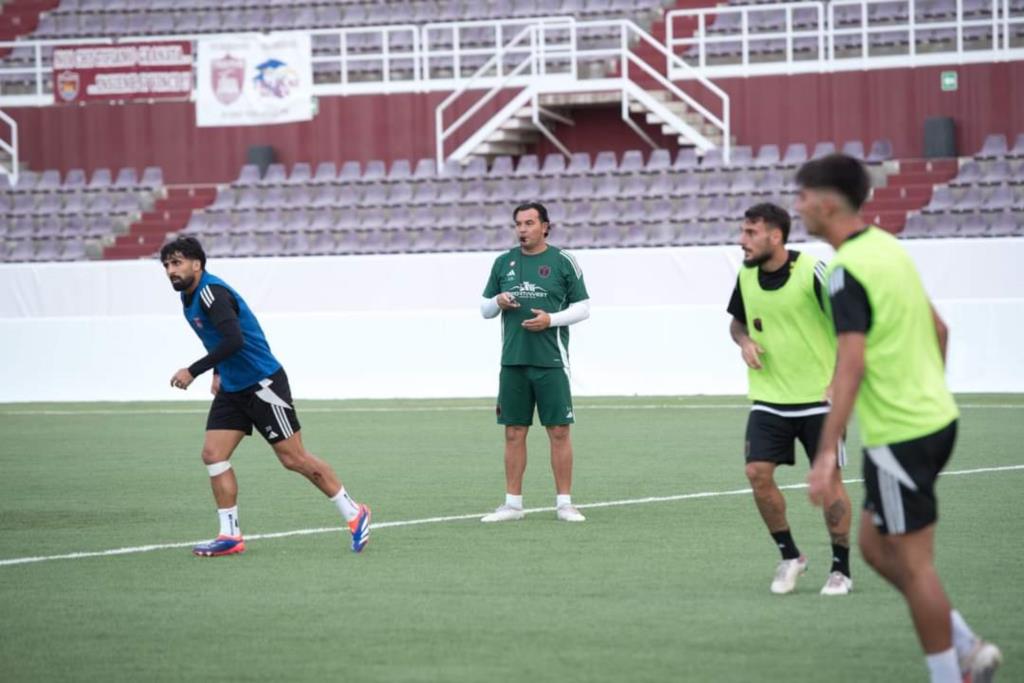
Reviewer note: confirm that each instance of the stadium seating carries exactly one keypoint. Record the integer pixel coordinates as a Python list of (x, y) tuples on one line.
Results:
[(47, 218), (604, 201), (984, 199)]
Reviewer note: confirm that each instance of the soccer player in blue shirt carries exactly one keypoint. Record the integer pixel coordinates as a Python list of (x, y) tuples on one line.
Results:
[(250, 388)]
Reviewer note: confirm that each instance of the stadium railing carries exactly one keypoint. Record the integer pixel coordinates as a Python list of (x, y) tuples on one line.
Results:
[(843, 35)]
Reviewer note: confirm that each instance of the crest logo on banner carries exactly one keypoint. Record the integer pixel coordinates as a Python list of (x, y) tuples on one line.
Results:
[(227, 75), (68, 85), (276, 79)]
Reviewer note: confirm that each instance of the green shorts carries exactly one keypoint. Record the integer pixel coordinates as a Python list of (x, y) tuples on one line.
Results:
[(521, 387)]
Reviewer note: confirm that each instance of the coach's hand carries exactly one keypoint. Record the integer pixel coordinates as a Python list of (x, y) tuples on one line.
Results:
[(506, 301), (751, 353), (540, 322), (182, 378), (821, 477)]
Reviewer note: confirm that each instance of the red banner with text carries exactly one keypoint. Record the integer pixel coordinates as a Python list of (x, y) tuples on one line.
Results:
[(128, 71)]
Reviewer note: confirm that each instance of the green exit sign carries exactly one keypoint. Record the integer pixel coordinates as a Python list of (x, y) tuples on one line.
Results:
[(949, 82)]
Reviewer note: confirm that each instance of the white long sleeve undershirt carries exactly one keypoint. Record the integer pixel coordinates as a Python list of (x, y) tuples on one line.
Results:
[(575, 313)]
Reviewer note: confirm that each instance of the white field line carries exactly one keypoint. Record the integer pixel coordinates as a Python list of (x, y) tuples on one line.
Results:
[(438, 520), (428, 409)]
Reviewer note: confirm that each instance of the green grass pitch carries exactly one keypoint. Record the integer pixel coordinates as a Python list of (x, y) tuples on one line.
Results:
[(648, 591)]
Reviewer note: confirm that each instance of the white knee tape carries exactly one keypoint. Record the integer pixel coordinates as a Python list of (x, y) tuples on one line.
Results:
[(218, 468)]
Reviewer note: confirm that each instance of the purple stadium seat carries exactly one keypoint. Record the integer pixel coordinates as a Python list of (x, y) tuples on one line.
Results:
[(881, 150), (351, 172), (375, 170), (796, 154), (971, 200), (48, 180), (501, 167), (995, 145), (633, 186), (632, 161), (275, 175), (768, 155), (823, 149), (554, 164), (326, 172), (686, 159), (100, 179), (855, 149), (152, 176), (660, 161), (528, 165), (1001, 198), (605, 162), (248, 175), (1018, 147), (968, 174), (579, 163), (996, 172), (301, 173), (126, 177)]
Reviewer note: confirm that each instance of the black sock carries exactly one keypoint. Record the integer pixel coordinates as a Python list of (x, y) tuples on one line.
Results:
[(841, 559), (787, 547)]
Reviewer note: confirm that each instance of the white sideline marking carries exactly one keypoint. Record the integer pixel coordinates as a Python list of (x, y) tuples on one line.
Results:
[(436, 520), (427, 409)]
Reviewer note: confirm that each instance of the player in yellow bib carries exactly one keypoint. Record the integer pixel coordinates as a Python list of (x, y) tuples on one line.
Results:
[(781, 326), (538, 290), (891, 357)]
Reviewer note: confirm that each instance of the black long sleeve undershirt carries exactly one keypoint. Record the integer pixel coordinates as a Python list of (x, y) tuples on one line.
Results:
[(223, 313)]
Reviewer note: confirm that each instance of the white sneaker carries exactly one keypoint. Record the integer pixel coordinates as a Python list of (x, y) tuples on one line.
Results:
[(504, 513), (786, 574), (980, 666), (838, 584), (568, 513)]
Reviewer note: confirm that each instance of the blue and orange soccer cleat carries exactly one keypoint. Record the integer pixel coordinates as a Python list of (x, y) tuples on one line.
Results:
[(360, 528), (222, 545)]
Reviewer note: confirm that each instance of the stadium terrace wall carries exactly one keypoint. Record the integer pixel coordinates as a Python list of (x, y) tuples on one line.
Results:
[(865, 105), (409, 325), (856, 105)]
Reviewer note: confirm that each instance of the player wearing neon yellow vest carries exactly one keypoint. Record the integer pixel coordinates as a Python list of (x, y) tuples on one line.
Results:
[(891, 350), (786, 340)]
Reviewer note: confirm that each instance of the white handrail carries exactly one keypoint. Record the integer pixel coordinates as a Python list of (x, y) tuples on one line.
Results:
[(998, 20), (12, 149), (442, 133)]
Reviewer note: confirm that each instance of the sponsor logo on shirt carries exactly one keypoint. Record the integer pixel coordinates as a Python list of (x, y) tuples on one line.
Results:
[(529, 290)]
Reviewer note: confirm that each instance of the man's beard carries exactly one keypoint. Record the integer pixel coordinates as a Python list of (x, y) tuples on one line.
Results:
[(182, 284), (757, 260)]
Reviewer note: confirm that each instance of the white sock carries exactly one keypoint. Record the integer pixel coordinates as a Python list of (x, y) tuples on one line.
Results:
[(514, 501), (562, 500), (348, 507), (944, 667), (229, 521), (964, 639)]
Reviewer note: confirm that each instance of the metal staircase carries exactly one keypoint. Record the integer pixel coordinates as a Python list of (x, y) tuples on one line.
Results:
[(546, 74)]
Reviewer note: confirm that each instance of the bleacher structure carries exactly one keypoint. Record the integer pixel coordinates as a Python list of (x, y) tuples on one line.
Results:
[(544, 51)]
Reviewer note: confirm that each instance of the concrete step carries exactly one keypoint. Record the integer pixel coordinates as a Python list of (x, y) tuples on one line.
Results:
[(499, 149), (519, 137)]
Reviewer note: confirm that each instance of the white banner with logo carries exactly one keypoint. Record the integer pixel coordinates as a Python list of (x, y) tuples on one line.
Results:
[(254, 79)]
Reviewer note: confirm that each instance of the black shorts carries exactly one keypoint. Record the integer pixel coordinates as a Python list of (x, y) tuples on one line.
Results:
[(900, 481), (268, 405), (771, 435)]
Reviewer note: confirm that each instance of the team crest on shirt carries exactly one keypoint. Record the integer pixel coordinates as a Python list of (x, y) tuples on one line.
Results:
[(544, 271), (198, 322)]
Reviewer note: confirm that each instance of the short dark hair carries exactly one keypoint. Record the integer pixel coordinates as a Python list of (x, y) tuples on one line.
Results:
[(188, 247), (770, 214), (542, 210), (838, 172)]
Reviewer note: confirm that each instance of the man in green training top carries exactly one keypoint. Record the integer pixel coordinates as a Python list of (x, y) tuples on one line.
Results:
[(891, 357), (782, 328), (539, 291)]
